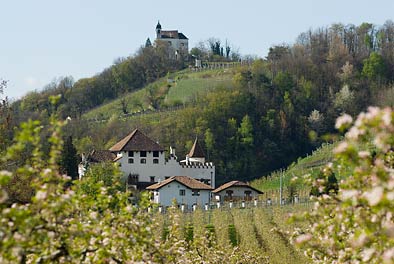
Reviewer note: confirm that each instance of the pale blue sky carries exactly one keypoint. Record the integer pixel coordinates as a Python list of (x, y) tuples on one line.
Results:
[(44, 39)]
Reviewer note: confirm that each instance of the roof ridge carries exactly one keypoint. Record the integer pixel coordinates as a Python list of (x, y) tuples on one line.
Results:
[(141, 143)]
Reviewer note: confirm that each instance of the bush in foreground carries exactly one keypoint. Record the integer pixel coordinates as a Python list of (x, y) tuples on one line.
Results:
[(357, 224)]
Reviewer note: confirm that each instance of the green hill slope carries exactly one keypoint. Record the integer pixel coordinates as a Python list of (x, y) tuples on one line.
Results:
[(177, 89), (310, 164)]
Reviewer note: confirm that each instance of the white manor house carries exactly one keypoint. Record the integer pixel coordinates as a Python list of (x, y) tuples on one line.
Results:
[(143, 162)]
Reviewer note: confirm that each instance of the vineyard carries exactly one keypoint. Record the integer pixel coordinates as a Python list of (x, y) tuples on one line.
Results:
[(311, 164), (173, 91), (264, 230)]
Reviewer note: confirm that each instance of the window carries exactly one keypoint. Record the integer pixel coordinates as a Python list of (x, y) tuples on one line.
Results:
[(182, 44), (229, 193), (155, 154), (169, 43), (143, 161), (155, 161), (132, 179), (131, 154), (131, 160), (182, 192), (152, 178), (143, 154), (195, 192)]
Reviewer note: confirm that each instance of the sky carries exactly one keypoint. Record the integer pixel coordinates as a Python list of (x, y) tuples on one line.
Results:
[(41, 40)]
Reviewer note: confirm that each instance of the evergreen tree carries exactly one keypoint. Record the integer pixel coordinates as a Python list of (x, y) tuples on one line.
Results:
[(148, 43), (69, 159)]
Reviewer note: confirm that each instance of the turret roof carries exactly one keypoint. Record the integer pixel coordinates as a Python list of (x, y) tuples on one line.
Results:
[(196, 150)]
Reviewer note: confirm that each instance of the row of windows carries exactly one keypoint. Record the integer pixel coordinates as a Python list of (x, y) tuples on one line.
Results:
[(133, 178), (143, 154), (143, 161), (194, 192)]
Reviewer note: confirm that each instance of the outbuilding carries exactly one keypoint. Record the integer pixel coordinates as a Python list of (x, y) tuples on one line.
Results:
[(185, 190), (236, 191)]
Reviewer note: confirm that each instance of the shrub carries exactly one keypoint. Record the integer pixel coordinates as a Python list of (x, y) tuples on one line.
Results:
[(357, 224)]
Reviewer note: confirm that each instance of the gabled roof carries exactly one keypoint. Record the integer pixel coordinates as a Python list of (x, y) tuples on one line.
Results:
[(136, 141), (235, 184), (196, 151), (101, 156), (182, 36), (172, 34), (169, 34), (184, 180)]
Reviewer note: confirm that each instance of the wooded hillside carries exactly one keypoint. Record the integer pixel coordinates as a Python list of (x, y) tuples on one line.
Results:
[(271, 113)]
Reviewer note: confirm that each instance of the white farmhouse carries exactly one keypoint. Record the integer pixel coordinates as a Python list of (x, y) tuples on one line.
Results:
[(177, 41), (143, 162), (235, 191), (185, 190)]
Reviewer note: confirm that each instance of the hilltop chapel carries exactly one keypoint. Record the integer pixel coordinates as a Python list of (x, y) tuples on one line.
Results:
[(177, 41)]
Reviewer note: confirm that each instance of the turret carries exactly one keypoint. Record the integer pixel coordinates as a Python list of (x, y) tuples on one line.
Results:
[(196, 153)]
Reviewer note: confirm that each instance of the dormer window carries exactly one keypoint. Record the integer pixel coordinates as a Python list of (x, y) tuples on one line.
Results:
[(155, 154), (131, 154), (143, 154)]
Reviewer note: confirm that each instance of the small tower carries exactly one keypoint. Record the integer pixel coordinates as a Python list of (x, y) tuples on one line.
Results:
[(196, 153), (158, 30)]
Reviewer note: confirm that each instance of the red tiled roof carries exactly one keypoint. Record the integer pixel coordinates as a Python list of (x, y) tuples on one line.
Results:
[(235, 184), (101, 156), (136, 141), (196, 151), (184, 180)]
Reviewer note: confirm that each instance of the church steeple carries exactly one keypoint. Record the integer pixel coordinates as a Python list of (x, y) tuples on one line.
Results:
[(158, 29)]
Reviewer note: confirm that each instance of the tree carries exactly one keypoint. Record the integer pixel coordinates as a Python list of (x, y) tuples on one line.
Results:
[(355, 225), (148, 43), (209, 142), (6, 117), (69, 159), (374, 67)]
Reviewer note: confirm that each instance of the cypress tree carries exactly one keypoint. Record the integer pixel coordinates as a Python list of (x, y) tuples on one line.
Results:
[(69, 159)]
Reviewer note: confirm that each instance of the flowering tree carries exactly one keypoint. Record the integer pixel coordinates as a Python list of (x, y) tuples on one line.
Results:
[(357, 224)]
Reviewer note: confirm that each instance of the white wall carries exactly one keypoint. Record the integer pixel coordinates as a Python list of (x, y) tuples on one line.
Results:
[(167, 193), (176, 44), (164, 169)]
